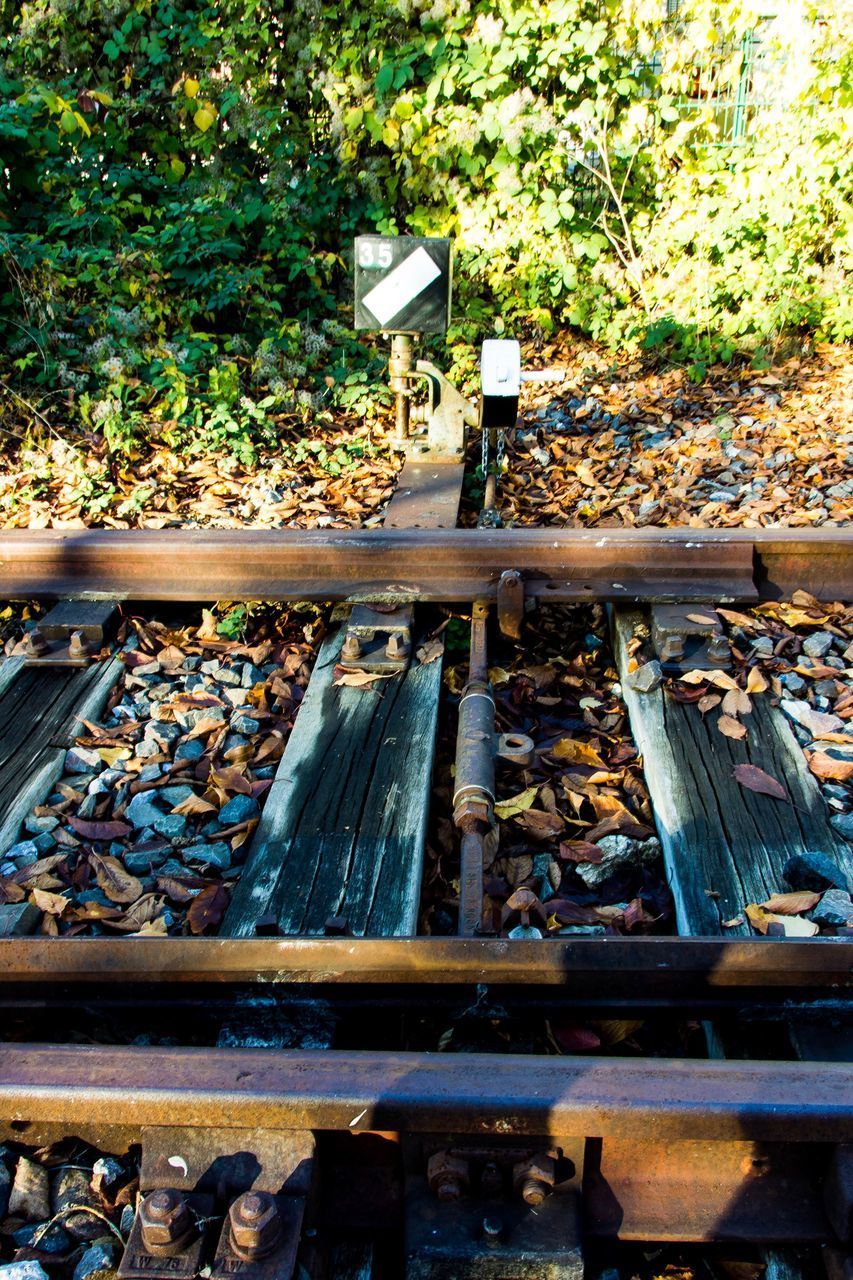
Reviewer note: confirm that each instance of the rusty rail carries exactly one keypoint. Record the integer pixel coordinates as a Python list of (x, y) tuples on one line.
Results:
[(611, 966), (438, 564), (417, 1092)]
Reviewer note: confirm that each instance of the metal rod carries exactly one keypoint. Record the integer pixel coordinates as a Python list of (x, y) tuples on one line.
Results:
[(400, 368), (474, 781), (644, 1099), (425, 564), (654, 966)]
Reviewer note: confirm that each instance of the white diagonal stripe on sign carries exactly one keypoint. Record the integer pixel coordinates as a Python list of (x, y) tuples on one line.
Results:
[(402, 286)]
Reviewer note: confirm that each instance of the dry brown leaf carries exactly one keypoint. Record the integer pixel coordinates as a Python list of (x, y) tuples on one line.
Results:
[(208, 908), (575, 752), (117, 883), (755, 779), (362, 679), (730, 727), (430, 651), (100, 830), (791, 904), (52, 903), (708, 701), (824, 766), (194, 805), (736, 703)]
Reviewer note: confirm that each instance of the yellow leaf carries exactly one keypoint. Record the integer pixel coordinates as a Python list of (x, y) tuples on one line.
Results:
[(204, 117), (191, 87), (756, 682), (791, 904), (509, 808), (721, 679), (52, 903), (575, 752), (110, 754)]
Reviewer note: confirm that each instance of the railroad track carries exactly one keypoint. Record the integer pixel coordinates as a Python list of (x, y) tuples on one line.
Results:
[(312, 1086)]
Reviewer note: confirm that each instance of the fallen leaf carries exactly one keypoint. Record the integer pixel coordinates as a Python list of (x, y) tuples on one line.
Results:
[(756, 682), (52, 903), (824, 766), (117, 883), (430, 651), (194, 805), (736, 703), (362, 679), (208, 908), (708, 701), (580, 851), (100, 830), (143, 911), (791, 904), (730, 727), (509, 808), (792, 926), (575, 752), (755, 779)]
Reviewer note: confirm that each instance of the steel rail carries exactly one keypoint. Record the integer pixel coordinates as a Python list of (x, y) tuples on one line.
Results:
[(426, 564), (650, 966), (419, 1092)]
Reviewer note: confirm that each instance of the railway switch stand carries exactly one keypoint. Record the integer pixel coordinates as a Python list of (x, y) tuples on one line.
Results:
[(317, 1094)]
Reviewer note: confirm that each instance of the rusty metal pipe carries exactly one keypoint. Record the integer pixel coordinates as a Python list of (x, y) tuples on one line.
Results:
[(474, 782)]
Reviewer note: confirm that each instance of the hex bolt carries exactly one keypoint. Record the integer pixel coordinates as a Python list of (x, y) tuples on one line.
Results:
[(36, 643), (535, 1178), (396, 648), (351, 647), (719, 649), (448, 1176), (255, 1225), (165, 1222), (671, 648), (77, 647), (533, 1191)]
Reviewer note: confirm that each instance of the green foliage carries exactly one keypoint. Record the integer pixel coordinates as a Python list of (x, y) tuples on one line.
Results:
[(182, 182)]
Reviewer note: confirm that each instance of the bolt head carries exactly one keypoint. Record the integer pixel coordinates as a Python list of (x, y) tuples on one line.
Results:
[(255, 1224), (165, 1219), (448, 1176)]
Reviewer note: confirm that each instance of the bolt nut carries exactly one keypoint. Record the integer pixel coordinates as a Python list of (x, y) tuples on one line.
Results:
[(77, 647), (671, 648), (448, 1176), (534, 1178), (165, 1221), (351, 647), (397, 649), (36, 644), (255, 1225), (472, 812)]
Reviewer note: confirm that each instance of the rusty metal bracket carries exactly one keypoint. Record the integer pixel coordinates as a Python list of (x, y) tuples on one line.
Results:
[(689, 637), (378, 640), (510, 603), (494, 1211), (257, 1182), (71, 634)]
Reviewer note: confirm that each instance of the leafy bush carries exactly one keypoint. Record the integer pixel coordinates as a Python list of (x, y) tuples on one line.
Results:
[(183, 182)]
